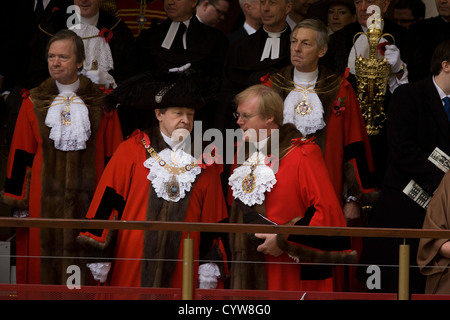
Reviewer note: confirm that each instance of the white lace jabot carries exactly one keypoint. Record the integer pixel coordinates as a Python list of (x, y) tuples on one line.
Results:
[(162, 179), (305, 123), (252, 179), (68, 119)]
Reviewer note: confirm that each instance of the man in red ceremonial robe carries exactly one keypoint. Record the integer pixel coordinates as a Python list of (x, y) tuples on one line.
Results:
[(62, 140), (296, 190), (323, 105), (154, 177)]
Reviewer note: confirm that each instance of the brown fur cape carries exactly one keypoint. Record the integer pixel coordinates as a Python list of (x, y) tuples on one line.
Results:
[(161, 247), (68, 181)]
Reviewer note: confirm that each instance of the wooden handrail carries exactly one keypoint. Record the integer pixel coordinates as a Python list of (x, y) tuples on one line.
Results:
[(222, 227)]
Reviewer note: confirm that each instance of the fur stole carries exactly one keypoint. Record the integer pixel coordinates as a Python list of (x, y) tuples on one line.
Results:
[(68, 179), (161, 247), (245, 273), (327, 93)]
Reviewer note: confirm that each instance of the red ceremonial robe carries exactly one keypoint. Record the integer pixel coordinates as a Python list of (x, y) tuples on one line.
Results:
[(303, 190), (123, 193), (23, 187), (344, 141)]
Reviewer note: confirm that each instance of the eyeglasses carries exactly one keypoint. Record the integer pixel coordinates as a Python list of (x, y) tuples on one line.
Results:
[(244, 116), (219, 12)]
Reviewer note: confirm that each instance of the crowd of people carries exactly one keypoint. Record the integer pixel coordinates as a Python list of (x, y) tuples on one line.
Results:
[(105, 101)]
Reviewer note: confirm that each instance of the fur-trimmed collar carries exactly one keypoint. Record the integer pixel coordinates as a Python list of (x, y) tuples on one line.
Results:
[(68, 178), (327, 92), (161, 247)]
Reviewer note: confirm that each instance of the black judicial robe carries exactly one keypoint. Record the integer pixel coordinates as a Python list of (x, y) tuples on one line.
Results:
[(206, 49), (243, 67)]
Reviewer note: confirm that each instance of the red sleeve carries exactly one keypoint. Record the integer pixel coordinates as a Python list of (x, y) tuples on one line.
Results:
[(356, 140), (113, 188), (24, 146), (317, 189)]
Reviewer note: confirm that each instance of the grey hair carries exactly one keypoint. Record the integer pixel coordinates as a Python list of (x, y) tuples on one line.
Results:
[(314, 24)]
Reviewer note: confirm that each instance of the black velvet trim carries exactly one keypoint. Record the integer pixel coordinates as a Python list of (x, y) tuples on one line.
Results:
[(357, 151), (206, 250), (327, 243), (22, 160), (110, 200), (315, 272)]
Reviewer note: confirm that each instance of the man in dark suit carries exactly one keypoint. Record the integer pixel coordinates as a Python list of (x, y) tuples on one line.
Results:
[(423, 37), (417, 124), (179, 40), (252, 14), (267, 50)]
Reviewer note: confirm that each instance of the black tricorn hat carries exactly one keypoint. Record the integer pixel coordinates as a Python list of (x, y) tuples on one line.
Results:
[(147, 91)]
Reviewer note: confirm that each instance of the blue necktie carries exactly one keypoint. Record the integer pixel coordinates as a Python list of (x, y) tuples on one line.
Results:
[(447, 107)]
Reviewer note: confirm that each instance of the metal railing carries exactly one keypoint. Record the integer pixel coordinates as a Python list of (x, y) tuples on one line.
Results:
[(403, 288)]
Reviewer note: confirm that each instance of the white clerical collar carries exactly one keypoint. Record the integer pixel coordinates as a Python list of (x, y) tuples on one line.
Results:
[(272, 46), (73, 87), (274, 34), (92, 20), (306, 77), (249, 28), (171, 33)]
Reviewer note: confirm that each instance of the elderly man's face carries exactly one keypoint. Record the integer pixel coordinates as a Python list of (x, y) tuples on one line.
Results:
[(62, 61), (176, 120), (179, 10), (362, 5), (88, 8), (273, 14), (443, 7)]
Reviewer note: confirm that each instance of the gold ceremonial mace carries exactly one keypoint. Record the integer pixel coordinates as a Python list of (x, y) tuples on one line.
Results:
[(372, 75)]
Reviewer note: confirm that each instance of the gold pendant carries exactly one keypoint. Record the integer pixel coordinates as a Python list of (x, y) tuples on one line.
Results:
[(249, 183), (66, 119), (304, 108), (173, 188)]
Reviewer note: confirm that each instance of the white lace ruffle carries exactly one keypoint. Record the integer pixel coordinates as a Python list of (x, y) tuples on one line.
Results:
[(207, 275), (308, 123), (265, 180), (74, 136), (160, 177), (95, 48)]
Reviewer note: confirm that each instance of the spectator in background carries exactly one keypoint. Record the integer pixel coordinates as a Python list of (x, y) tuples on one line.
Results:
[(407, 12), (211, 12), (252, 14), (298, 12), (265, 51), (335, 14), (423, 37)]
